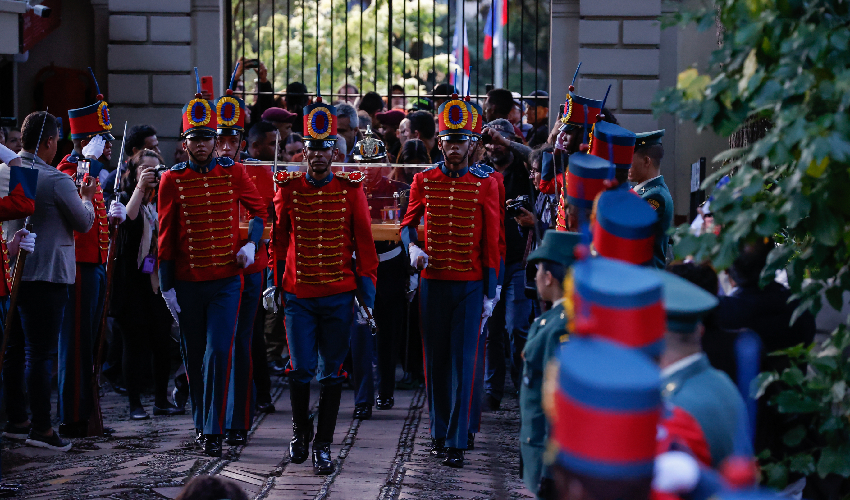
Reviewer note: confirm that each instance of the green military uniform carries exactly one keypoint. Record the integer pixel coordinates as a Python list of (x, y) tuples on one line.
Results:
[(657, 194), (705, 393), (545, 337)]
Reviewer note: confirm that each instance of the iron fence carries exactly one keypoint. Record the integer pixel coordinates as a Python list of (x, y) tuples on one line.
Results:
[(375, 44)]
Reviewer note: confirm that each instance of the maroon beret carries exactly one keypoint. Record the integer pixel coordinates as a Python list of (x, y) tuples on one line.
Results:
[(392, 117), (279, 115)]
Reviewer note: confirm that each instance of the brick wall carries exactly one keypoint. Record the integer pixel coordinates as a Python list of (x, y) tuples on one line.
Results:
[(619, 45), (153, 46)]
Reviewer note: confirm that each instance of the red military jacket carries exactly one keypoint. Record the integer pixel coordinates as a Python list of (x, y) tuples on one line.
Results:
[(262, 180), (462, 223), (19, 203), (199, 219), (557, 185), (318, 229), (93, 245)]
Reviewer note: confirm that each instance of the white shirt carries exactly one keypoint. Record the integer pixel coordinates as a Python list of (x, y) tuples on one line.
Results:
[(681, 364), (555, 304), (644, 183)]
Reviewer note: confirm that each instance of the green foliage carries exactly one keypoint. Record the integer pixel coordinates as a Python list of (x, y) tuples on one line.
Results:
[(787, 61), (818, 402)]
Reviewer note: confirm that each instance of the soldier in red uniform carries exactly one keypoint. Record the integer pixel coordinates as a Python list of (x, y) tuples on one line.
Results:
[(201, 261), (90, 133), (322, 219), (249, 366), (460, 261)]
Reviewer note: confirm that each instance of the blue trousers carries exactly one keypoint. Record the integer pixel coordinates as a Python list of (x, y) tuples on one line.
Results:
[(318, 331), (475, 406), (208, 314), (362, 353), (32, 346), (240, 397), (451, 319), (507, 332), (76, 341)]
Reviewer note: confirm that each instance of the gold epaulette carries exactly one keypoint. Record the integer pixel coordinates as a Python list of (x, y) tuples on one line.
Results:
[(353, 177), (282, 177)]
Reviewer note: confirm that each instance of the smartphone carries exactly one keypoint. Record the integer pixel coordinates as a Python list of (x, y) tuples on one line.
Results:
[(83, 168), (561, 111), (488, 87), (207, 86), (252, 63)]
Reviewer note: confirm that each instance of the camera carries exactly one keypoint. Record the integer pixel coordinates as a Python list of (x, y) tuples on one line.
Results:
[(40, 10), (486, 139), (158, 171), (513, 207)]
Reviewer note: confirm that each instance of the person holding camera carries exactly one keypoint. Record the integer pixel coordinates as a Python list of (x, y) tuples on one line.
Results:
[(91, 135), (48, 274), (139, 312), (510, 316)]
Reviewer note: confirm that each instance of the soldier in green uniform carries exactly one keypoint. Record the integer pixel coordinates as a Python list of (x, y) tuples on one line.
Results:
[(645, 176), (553, 258), (690, 383)]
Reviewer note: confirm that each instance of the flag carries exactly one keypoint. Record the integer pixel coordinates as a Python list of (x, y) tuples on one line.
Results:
[(492, 31), (461, 53)]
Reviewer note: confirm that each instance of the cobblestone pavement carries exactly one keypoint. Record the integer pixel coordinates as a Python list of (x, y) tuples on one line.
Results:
[(381, 458)]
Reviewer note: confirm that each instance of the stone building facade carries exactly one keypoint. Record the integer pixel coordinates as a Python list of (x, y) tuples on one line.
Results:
[(622, 43)]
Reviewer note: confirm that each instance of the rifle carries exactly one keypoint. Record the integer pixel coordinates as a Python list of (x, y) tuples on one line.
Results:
[(96, 415), (13, 299)]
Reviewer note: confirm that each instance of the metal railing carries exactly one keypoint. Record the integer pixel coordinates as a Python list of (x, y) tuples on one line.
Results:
[(374, 44)]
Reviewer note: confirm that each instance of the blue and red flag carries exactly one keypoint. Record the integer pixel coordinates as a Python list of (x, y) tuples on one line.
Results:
[(496, 19), (461, 53)]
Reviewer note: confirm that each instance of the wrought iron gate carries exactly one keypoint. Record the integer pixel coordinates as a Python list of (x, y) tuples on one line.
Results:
[(373, 44)]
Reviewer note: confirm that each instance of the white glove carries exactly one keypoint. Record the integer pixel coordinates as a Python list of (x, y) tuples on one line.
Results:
[(411, 288), (95, 147), (415, 253), (170, 297), (362, 316), (7, 155), (245, 255), (23, 240), (271, 299), (675, 472), (117, 212), (489, 304)]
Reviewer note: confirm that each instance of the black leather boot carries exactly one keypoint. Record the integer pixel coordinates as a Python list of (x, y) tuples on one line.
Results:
[(237, 437), (328, 411), (302, 422), (212, 445), (454, 458), (438, 448)]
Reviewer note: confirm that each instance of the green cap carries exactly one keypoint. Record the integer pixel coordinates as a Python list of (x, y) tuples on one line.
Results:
[(557, 246), (685, 303), (649, 138)]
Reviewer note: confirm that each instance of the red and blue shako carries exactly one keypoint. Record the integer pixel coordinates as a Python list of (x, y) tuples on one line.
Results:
[(574, 114), (625, 226), (586, 179), (614, 143), (603, 403), (455, 119), (91, 120), (618, 302), (320, 125), (231, 114)]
